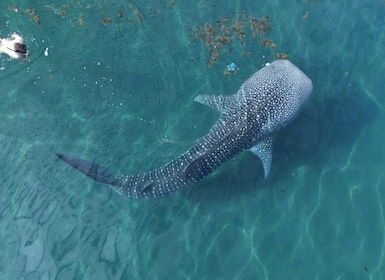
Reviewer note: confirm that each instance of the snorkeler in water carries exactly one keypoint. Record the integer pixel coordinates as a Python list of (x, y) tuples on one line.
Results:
[(14, 47)]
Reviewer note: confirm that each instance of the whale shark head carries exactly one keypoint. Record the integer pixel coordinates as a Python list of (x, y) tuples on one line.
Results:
[(274, 95)]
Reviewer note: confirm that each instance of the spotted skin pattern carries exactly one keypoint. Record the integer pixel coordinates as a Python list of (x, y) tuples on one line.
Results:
[(266, 102)]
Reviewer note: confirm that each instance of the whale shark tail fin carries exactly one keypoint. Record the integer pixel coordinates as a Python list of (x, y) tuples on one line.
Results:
[(179, 173), (92, 170)]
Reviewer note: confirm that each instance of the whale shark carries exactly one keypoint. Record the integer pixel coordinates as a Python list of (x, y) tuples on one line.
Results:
[(266, 102)]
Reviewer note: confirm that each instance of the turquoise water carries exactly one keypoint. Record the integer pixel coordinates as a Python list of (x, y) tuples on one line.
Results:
[(119, 89)]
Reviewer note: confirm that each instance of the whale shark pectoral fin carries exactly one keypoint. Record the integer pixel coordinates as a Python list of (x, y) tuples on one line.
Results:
[(264, 150), (92, 170), (221, 103)]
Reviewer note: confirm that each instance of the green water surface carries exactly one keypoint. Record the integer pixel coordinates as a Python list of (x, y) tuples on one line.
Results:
[(114, 81)]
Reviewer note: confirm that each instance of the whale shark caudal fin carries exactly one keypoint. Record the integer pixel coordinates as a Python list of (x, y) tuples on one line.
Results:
[(92, 170)]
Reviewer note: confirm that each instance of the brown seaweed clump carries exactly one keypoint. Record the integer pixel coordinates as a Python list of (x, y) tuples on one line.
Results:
[(267, 43), (258, 25), (281, 56), (226, 30), (29, 11), (136, 13), (106, 20)]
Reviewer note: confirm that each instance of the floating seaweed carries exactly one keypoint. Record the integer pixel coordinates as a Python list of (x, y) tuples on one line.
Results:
[(106, 20), (30, 11), (308, 3), (137, 13), (226, 30), (77, 17), (267, 43), (260, 24), (281, 56)]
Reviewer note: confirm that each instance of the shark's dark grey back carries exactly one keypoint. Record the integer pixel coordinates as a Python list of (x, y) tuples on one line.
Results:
[(266, 102)]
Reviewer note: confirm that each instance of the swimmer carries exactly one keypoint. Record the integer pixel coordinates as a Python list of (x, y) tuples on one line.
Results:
[(14, 47)]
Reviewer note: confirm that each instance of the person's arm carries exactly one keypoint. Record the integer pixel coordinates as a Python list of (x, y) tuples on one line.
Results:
[(11, 53), (25, 58)]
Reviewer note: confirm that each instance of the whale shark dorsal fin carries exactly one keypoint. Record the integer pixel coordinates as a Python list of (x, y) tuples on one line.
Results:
[(221, 103), (264, 150)]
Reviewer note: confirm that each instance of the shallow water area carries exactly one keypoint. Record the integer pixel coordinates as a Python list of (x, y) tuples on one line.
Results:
[(115, 82)]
